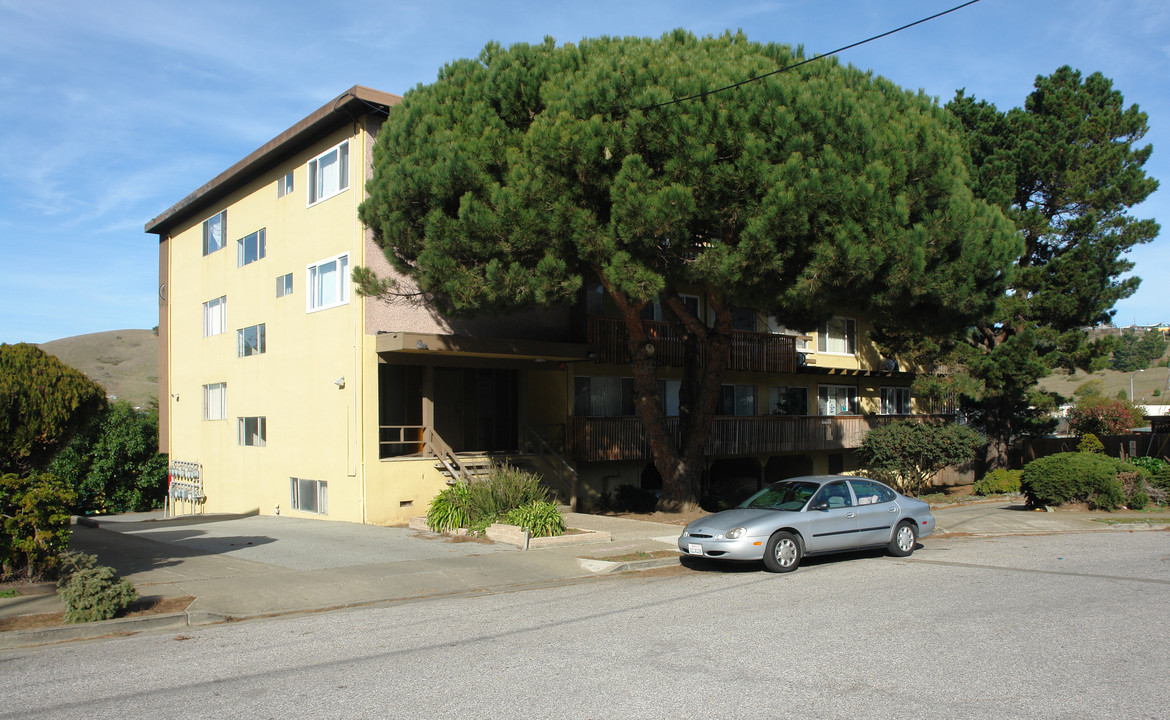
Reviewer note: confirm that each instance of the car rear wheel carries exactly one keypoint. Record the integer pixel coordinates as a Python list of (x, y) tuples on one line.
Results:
[(782, 553), (905, 537)]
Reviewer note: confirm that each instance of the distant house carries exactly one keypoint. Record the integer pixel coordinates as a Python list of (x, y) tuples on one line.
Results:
[(283, 390)]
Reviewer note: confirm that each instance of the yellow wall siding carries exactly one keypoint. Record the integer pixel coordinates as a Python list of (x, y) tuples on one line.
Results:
[(312, 425)]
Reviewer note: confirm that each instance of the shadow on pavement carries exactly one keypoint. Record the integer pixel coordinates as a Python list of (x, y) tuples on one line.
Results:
[(129, 554)]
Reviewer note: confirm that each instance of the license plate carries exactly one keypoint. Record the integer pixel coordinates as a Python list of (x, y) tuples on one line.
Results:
[(694, 549)]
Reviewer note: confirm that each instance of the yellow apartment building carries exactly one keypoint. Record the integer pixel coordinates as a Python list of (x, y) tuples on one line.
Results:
[(284, 391)]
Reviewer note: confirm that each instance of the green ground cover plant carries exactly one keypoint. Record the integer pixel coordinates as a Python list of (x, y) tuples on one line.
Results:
[(506, 492)]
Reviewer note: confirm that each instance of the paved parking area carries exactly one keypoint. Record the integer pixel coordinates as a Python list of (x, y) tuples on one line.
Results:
[(295, 543)]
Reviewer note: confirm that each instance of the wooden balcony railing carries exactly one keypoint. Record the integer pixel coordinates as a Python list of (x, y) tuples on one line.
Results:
[(622, 438), (754, 351)]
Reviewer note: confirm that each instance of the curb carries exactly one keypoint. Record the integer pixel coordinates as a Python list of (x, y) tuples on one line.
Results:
[(88, 631), (606, 567)]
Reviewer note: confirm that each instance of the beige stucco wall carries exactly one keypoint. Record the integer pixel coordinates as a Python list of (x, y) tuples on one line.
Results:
[(312, 424)]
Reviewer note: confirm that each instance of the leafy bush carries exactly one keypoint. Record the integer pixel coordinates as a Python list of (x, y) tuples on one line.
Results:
[(1090, 443), (477, 504), (1071, 477), (631, 498), (96, 593), (1151, 465), (115, 465), (542, 519), (1160, 478), (999, 482), (908, 454), (1104, 416), (447, 510), (35, 524)]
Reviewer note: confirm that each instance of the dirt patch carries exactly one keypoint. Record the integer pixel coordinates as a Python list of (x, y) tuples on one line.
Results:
[(673, 518), (141, 607), (641, 555)]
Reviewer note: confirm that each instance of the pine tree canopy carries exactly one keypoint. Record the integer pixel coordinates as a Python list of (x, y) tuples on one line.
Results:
[(510, 179)]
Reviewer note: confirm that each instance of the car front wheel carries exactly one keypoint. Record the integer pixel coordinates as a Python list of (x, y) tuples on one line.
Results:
[(905, 537), (782, 553)]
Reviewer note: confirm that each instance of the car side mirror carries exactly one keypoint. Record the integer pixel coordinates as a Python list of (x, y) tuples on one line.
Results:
[(821, 505)]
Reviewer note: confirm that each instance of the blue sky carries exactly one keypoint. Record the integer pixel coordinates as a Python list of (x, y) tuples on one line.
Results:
[(113, 111)]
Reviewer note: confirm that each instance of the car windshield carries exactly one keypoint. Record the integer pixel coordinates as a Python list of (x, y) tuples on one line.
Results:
[(787, 495)]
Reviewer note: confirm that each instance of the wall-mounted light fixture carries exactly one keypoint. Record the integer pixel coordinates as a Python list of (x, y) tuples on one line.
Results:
[(339, 382), (175, 397), (421, 345)]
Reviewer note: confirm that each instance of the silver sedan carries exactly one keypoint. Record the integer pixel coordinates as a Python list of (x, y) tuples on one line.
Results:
[(812, 515)]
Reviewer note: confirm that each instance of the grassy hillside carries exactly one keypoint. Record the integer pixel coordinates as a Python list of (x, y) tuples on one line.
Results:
[(1144, 384), (125, 362)]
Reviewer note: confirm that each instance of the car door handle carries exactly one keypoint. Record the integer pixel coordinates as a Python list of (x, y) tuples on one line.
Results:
[(850, 514), (893, 509)]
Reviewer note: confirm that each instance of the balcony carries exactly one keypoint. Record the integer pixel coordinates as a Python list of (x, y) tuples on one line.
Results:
[(622, 438), (751, 351)]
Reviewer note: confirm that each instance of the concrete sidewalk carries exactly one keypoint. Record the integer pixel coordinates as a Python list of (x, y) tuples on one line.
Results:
[(250, 566)]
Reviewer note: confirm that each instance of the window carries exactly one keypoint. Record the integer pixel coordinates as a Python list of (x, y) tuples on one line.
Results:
[(739, 400), (779, 328), (603, 396), (329, 173), (213, 232), (788, 400), (250, 248), (253, 432), (837, 400), (835, 494), (871, 493), (653, 311), (668, 390), (250, 341), (215, 401), (215, 316), (896, 401), (284, 185), (309, 495), (327, 283), (284, 285), (838, 336), (743, 319)]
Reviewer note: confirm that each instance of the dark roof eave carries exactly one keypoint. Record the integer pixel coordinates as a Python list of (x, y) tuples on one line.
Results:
[(354, 102)]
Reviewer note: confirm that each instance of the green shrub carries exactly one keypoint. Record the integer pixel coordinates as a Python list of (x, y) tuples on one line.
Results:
[(448, 509), (479, 503), (1160, 478), (1090, 444), (999, 482), (543, 519), (1150, 464), (631, 498), (1073, 477), (34, 525), (73, 562), (1138, 500), (96, 593)]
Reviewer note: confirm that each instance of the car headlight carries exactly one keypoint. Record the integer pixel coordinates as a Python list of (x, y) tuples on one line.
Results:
[(735, 533)]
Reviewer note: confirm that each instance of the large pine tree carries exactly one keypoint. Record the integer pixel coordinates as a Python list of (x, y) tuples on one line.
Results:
[(1066, 168), (515, 177)]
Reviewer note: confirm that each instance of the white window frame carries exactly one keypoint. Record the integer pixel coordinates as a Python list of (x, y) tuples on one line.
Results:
[(320, 171), (208, 232), (258, 438), (823, 400), (311, 496), (257, 240), (215, 316), (284, 285), (314, 297), (215, 401), (847, 339), (245, 349), (284, 184), (896, 401)]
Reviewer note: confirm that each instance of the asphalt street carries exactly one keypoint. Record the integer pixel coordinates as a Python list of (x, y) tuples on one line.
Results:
[(1038, 626)]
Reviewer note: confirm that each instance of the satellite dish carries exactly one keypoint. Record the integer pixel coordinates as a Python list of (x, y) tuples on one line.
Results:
[(889, 365)]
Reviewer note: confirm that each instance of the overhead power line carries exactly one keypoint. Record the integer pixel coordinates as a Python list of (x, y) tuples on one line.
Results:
[(809, 60)]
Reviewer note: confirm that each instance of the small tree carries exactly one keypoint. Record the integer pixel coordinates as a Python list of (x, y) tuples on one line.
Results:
[(43, 402), (909, 454), (1104, 416), (34, 524)]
